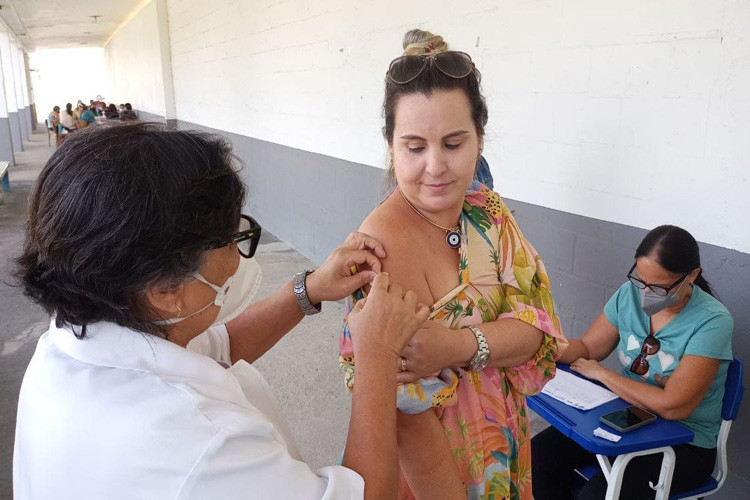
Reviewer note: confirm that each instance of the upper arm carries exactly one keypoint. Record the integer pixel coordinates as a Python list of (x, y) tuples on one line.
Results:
[(601, 338), (688, 384), (399, 262)]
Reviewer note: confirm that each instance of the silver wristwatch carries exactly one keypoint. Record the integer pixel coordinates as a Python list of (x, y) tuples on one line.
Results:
[(482, 358), (301, 293)]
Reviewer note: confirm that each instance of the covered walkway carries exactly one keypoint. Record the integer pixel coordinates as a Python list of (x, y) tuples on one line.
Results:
[(606, 119)]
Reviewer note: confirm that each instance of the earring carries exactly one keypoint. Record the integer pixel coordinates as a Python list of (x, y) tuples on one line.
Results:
[(179, 312)]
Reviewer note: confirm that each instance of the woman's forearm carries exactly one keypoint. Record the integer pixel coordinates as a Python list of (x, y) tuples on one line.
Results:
[(575, 350), (640, 394), (371, 448), (512, 342), (263, 324)]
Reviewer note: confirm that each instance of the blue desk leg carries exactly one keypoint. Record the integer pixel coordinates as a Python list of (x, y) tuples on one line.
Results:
[(6, 183), (615, 473)]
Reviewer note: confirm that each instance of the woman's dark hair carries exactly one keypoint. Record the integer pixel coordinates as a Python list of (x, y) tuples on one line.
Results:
[(429, 80), (56, 109), (675, 250), (112, 107), (128, 106), (69, 109), (118, 210)]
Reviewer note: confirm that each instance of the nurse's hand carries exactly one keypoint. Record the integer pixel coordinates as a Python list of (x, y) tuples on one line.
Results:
[(338, 277), (384, 322)]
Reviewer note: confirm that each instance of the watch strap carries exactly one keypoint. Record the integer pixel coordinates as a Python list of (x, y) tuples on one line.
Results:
[(482, 358), (300, 292)]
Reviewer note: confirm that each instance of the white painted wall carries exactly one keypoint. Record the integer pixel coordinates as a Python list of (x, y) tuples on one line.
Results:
[(17, 74), (634, 112), (24, 83), (137, 49), (66, 75), (7, 63)]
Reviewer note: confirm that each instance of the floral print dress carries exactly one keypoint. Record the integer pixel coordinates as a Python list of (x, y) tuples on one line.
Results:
[(484, 414)]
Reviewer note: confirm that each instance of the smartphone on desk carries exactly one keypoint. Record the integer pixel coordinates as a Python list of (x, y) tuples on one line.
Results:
[(627, 419)]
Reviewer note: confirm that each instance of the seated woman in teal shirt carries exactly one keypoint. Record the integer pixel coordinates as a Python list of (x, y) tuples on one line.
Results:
[(674, 341), (87, 115)]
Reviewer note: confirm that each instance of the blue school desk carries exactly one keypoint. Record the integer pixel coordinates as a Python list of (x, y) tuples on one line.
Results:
[(579, 425)]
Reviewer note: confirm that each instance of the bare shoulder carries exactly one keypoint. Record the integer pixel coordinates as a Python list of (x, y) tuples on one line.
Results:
[(388, 225)]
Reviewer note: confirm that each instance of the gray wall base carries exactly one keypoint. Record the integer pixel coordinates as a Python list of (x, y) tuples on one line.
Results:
[(309, 200), (313, 201), (34, 118), (29, 121), (15, 132), (22, 119), (6, 144), (145, 116)]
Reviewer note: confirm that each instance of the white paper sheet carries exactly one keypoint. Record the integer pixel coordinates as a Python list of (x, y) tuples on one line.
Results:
[(576, 391)]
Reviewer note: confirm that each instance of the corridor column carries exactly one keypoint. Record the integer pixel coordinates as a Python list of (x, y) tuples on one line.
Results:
[(18, 86), (10, 92), (6, 144), (29, 93)]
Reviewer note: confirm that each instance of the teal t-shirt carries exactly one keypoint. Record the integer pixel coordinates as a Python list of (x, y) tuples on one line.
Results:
[(703, 328)]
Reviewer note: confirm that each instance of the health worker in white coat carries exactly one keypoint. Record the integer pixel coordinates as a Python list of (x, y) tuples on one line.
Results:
[(142, 388)]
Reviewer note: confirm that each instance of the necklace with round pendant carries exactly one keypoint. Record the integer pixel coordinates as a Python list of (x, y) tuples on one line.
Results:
[(452, 234), (453, 238)]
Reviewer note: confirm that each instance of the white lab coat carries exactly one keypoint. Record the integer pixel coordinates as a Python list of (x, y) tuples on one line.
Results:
[(125, 415)]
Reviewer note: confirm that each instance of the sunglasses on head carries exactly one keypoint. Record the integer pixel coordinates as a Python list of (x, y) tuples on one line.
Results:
[(451, 63), (651, 346), (246, 237)]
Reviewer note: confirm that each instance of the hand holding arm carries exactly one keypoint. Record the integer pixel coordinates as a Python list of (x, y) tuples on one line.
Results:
[(265, 322), (434, 347)]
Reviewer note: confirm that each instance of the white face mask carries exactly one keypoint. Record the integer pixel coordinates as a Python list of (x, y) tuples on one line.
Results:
[(232, 297)]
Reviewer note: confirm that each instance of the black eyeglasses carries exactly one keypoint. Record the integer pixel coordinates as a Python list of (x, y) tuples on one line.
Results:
[(651, 346), (451, 63), (246, 238), (657, 289)]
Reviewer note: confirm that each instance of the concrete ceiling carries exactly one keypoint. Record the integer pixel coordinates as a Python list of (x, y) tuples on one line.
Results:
[(47, 24)]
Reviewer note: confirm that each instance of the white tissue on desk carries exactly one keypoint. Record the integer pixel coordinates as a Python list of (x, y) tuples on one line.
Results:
[(599, 432)]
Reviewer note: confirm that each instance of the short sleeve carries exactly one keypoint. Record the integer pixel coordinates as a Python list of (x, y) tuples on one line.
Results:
[(713, 338), (244, 461), (615, 303)]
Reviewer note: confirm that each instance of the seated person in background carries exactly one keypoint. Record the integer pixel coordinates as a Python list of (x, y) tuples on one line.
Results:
[(111, 113), (80, 106), (483, 173), (68, 119), (53, 119), (128, 113), (674, 341), (99, 104), (87, 116)]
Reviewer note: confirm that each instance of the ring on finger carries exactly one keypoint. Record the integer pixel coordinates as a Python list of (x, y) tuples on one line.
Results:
[(403, 364)]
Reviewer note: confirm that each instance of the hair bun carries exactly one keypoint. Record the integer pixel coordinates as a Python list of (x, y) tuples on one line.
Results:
[(418, 42)]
